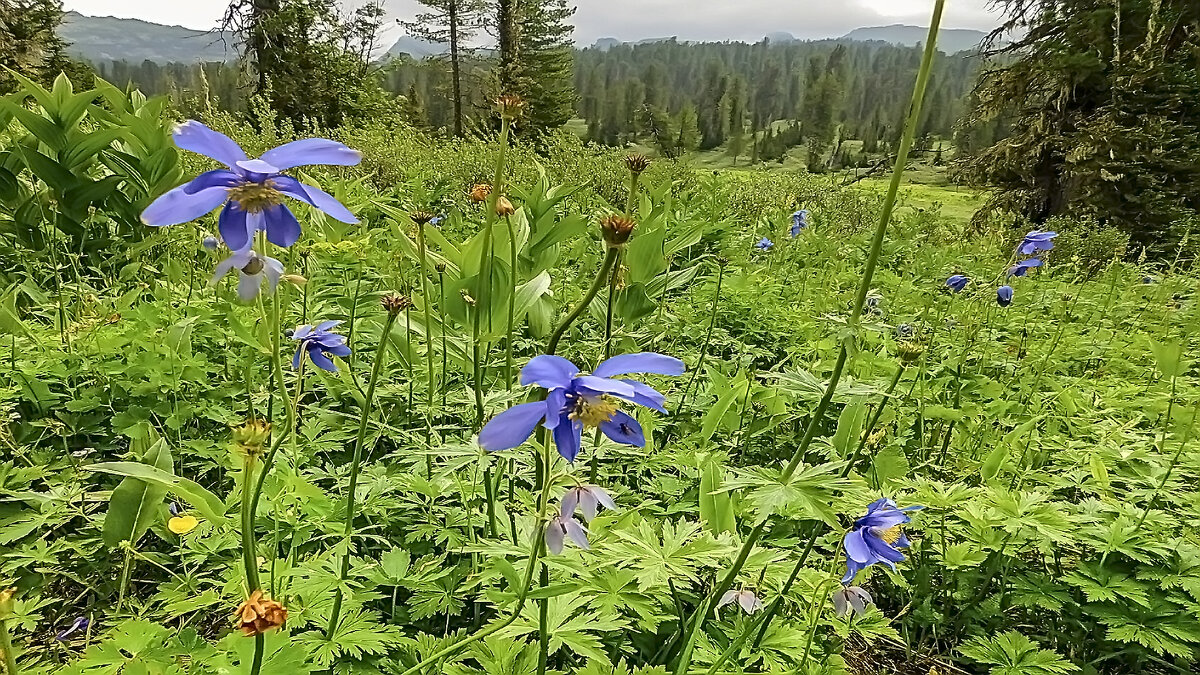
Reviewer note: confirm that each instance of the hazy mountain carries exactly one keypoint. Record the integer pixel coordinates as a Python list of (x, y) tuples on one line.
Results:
[(950, 40), (416, 48), (105, 38)]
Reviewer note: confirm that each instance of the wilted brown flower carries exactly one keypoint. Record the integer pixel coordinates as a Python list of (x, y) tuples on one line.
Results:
[(259, 614), (616, 229), (504, 207), (467, 297), (510, 105), (480, 192), (637, 163), (395, 303), (295, 279), (421, 217)]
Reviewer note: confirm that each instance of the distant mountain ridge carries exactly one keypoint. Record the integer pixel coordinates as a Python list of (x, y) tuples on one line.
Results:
[(106, 38), (950, 40)]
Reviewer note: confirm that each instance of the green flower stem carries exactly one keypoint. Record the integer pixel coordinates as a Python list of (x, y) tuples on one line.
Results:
[(712, 322), (421, 251), (885, 216), (260, 643), (606, 267), (289, 404), (862, 441), (355, 465), (512, 301), (537, 544), (6, 646), (249, 545)]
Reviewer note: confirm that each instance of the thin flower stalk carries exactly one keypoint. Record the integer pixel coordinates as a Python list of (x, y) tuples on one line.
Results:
[(885, 216), (355, 465), (428, 314)]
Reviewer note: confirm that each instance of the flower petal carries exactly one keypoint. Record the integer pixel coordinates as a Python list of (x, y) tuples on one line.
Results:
[(590, 385), (216, 178), (180, 206), (321, 361), (642, 362), (249, 285), (603, 497), (554, 535), (624, 429), (297, 356), (729, 597), (549, 372), (567, 439), (282, 227), (587, 504), (312, 151), (645, 395), (257, 166), (556, 408), (856, 548), (576, 532), (238, 260), (570, 502), (194, 136), (314, 197), (234, 227), (512, 427), (274, 271)]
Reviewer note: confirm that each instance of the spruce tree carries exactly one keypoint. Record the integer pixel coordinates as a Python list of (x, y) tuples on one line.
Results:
[(452, 23)]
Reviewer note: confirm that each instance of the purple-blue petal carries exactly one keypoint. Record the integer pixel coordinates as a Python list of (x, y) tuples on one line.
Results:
[(282, 227), (257, 166), (315, 197), (321, 361), (567, 439), (512, 427), (312, 151), (624, 429), (856, 548), (556, 408), (194, 136), (645, 395), (642, 362), (590, 385), (549, 372), (209, 179), (180, 206), (234, 227)]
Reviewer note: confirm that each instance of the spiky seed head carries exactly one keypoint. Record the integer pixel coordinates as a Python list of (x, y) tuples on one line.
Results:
[(395, 303), (910, 351), (250, 437), (637, 163), (440, 267), (616, 229), (421, 217), (510, 106)]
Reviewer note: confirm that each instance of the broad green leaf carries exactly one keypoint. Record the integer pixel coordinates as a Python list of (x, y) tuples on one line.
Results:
[(206, 503), (133, 505)]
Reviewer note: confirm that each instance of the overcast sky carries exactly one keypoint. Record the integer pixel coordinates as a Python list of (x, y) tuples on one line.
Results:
[(638, 19)]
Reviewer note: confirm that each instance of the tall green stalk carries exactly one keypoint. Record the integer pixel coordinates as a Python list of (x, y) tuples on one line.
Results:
[(6, 645), (885, 216), (356, 464), (427, 307)]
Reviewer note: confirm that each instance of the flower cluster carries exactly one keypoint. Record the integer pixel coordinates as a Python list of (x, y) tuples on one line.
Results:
[(319, 343), (1033, 244), (799, 222)]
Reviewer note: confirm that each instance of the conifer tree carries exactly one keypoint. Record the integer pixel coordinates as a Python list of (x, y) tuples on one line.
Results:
[(452, 23)]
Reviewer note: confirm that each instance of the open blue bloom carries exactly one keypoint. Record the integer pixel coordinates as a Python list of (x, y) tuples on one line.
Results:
[(799, 221), (1022, 268), (1037, 241), (574, 400), (764, 244), (318, 342), (436, 221), (957, 282), (252, 190), (80, 624), (876, 537), (1004, 296), (252, 269)]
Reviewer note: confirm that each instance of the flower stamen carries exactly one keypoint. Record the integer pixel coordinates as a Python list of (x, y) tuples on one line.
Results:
[(255, 197), (594, 410)]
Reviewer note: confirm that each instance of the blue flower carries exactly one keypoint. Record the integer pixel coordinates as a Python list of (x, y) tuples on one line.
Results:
[(559, 528), (851, 599), (799, 221), (210, 243), (252, 269), (80, 624), (252, 190), (574, 400), (876, 537), (319, 342), (764, 244), (1004, 296), (1036, 241), (1022, 268), (957, 282), (436, 221)]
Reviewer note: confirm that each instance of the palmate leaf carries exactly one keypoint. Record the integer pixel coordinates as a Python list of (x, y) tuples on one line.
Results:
[(677, 550), (569, 624), (1011, 653), (1164, 627), (357, 634), (811, 492)]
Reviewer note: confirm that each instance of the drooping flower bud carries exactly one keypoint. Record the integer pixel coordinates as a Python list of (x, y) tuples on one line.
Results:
[(395, 303), (559, 528), (210, 243), (504, 207), (851, 599), (616, 230), (295, 279), (746, 599), (259, 614), (910, 351)]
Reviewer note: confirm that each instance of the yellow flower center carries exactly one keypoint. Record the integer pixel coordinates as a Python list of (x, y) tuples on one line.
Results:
[(255, 197), (891, 535), (594, 410)]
